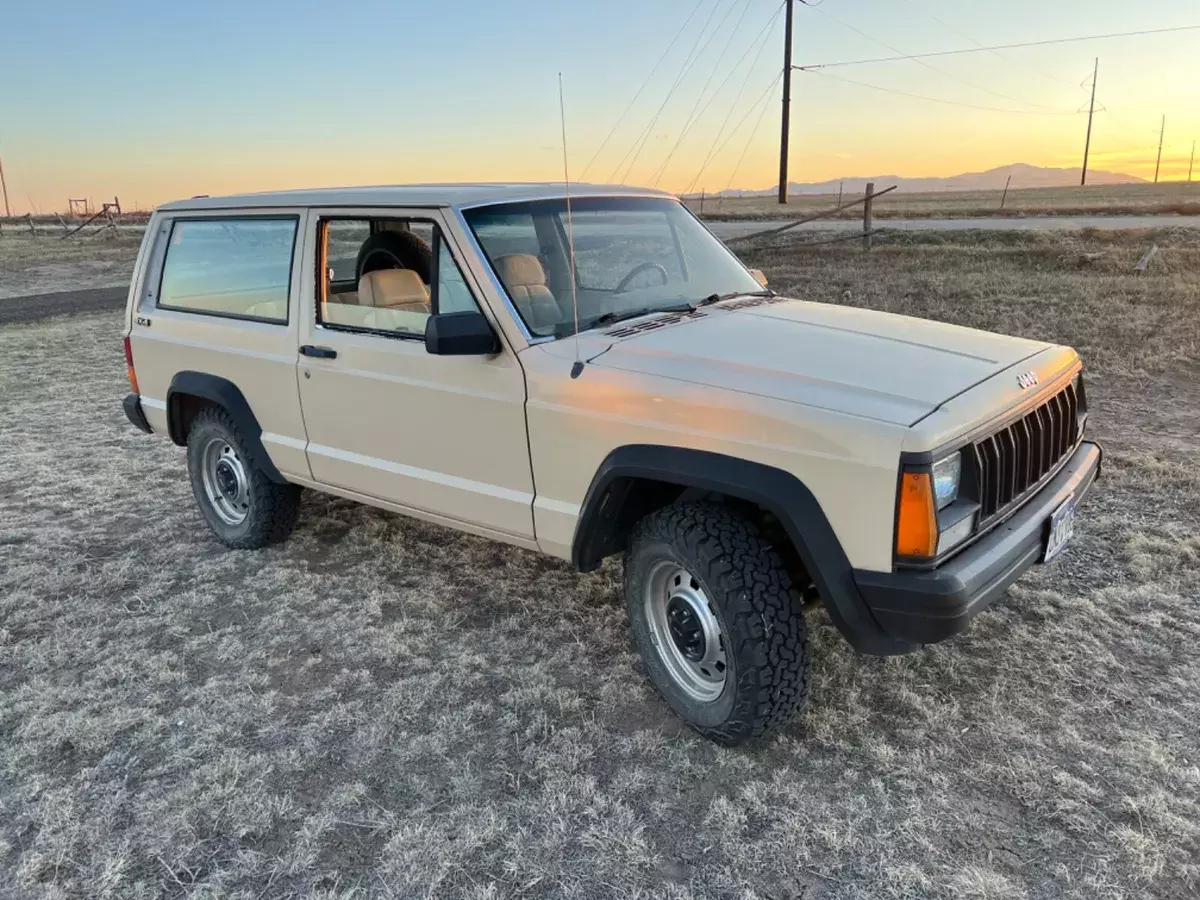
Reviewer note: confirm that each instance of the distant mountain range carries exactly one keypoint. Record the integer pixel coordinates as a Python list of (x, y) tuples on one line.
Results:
[(1023, 176)]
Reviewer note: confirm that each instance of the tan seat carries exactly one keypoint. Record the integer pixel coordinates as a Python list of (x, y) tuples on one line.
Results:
[(400, 289), (523, 275)]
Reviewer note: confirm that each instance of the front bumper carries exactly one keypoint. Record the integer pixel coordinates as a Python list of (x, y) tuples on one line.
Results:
[(133, 411), (926, 607)]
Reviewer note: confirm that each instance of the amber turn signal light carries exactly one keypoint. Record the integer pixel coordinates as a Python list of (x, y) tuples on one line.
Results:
[(916, 525)]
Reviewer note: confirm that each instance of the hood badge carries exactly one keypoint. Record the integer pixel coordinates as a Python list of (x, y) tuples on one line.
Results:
[(1026, 380)]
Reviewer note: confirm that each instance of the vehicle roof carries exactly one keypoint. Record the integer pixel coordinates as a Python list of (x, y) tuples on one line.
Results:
[(410, 195)]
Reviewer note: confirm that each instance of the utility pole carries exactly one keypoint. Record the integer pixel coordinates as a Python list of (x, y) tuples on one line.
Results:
[(787, 102), (1158, 164), (1087, 144), (1192, 164), (7, 211)]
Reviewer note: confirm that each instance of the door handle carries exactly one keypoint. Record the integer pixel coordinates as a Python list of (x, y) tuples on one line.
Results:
[(318, 352)]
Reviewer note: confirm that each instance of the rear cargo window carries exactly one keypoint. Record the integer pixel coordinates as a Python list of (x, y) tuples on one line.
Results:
[(236, 267)]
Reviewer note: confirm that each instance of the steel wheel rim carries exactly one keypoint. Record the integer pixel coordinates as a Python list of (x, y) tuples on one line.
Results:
[(226, 484), (685, 631)]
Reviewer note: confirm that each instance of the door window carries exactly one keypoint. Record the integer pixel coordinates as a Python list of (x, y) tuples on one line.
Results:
[(235, 267), (381, 275)]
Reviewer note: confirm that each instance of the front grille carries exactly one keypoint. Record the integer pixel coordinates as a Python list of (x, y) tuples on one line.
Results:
[(1014, 461)]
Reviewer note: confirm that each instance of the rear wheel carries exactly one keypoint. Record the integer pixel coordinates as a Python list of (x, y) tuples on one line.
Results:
[(714, 615), (244, 508)]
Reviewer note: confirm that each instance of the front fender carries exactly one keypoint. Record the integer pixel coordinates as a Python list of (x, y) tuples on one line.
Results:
[(775, 490)]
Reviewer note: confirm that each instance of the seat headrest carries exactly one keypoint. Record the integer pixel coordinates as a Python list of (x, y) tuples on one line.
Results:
[(392, 287), (520, 269)]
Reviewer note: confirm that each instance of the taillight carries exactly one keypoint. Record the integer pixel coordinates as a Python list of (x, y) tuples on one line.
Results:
[(133, 385)]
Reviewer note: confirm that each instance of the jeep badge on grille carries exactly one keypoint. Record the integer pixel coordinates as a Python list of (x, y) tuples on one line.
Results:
[(1026, 380)]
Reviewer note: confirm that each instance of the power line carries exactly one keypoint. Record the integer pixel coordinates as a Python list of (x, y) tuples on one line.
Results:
[(692, 117), (755, 42), (749, 110), (875, 87), (766, 103), (689, 63), (1070, 40), (925, 12), (737, 99), (645, 82), (640, 141), (930, 66)]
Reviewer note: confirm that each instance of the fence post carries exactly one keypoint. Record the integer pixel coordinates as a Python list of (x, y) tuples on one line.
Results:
[(867, 216), (32, 230), (702, 203)]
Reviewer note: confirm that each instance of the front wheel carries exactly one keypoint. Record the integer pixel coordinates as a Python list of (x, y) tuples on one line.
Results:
[(717, 623)]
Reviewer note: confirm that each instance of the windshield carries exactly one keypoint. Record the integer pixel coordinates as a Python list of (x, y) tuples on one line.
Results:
[(632, 255)]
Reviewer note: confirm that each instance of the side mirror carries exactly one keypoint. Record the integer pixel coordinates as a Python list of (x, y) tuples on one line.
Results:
[(460, 334), (759, 276)]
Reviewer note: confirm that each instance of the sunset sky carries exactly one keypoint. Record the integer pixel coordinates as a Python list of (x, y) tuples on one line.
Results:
[(154, 101)]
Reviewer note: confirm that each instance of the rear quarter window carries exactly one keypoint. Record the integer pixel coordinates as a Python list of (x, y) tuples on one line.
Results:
[(236, 267)]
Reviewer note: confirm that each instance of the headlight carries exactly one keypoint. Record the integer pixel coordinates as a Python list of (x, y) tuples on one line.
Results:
[(947, 473), (927, 521)]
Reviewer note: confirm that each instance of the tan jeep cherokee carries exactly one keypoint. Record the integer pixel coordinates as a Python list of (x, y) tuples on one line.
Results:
[(442, 351)]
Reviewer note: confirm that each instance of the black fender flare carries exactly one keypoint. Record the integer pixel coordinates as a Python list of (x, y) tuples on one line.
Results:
[(778, 491), (225, 394)]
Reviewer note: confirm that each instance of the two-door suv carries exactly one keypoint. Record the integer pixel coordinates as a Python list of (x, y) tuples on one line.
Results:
[(600, 375)]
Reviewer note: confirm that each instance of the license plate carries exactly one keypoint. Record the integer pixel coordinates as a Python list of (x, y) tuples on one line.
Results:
[(1061, 528)]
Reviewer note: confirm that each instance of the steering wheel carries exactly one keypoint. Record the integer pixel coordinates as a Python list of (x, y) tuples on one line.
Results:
[(623, 284)]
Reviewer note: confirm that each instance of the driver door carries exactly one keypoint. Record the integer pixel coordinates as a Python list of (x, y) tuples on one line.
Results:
[(439, 437)]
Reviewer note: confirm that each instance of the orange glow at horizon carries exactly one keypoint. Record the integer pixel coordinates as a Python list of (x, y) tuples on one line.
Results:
[(272, 116)]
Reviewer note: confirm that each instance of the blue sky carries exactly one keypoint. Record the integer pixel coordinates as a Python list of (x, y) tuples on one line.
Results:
[(152, 101)]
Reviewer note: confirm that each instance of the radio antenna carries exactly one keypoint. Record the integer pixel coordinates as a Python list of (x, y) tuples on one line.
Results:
[(577, 369)]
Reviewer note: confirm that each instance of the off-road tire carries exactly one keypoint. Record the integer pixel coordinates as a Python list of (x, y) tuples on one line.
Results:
[(273, 507), (394, 250), (767, 644)]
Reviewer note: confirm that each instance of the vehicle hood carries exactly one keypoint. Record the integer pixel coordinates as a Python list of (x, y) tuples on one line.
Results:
[(871, 364)]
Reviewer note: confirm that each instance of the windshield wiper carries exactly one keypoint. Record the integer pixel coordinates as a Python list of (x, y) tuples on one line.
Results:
[(717, 298), (564, 329), (568, 328)]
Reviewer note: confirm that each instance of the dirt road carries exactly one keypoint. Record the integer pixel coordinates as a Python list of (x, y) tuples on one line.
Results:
[(15, 310)]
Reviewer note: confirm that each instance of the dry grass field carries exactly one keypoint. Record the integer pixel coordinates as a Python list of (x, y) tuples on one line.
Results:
[(1117, 199), (46, 263), (386, 708)]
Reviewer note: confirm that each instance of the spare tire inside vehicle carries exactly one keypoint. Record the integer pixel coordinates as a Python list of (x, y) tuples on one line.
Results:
[(394, 250)]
